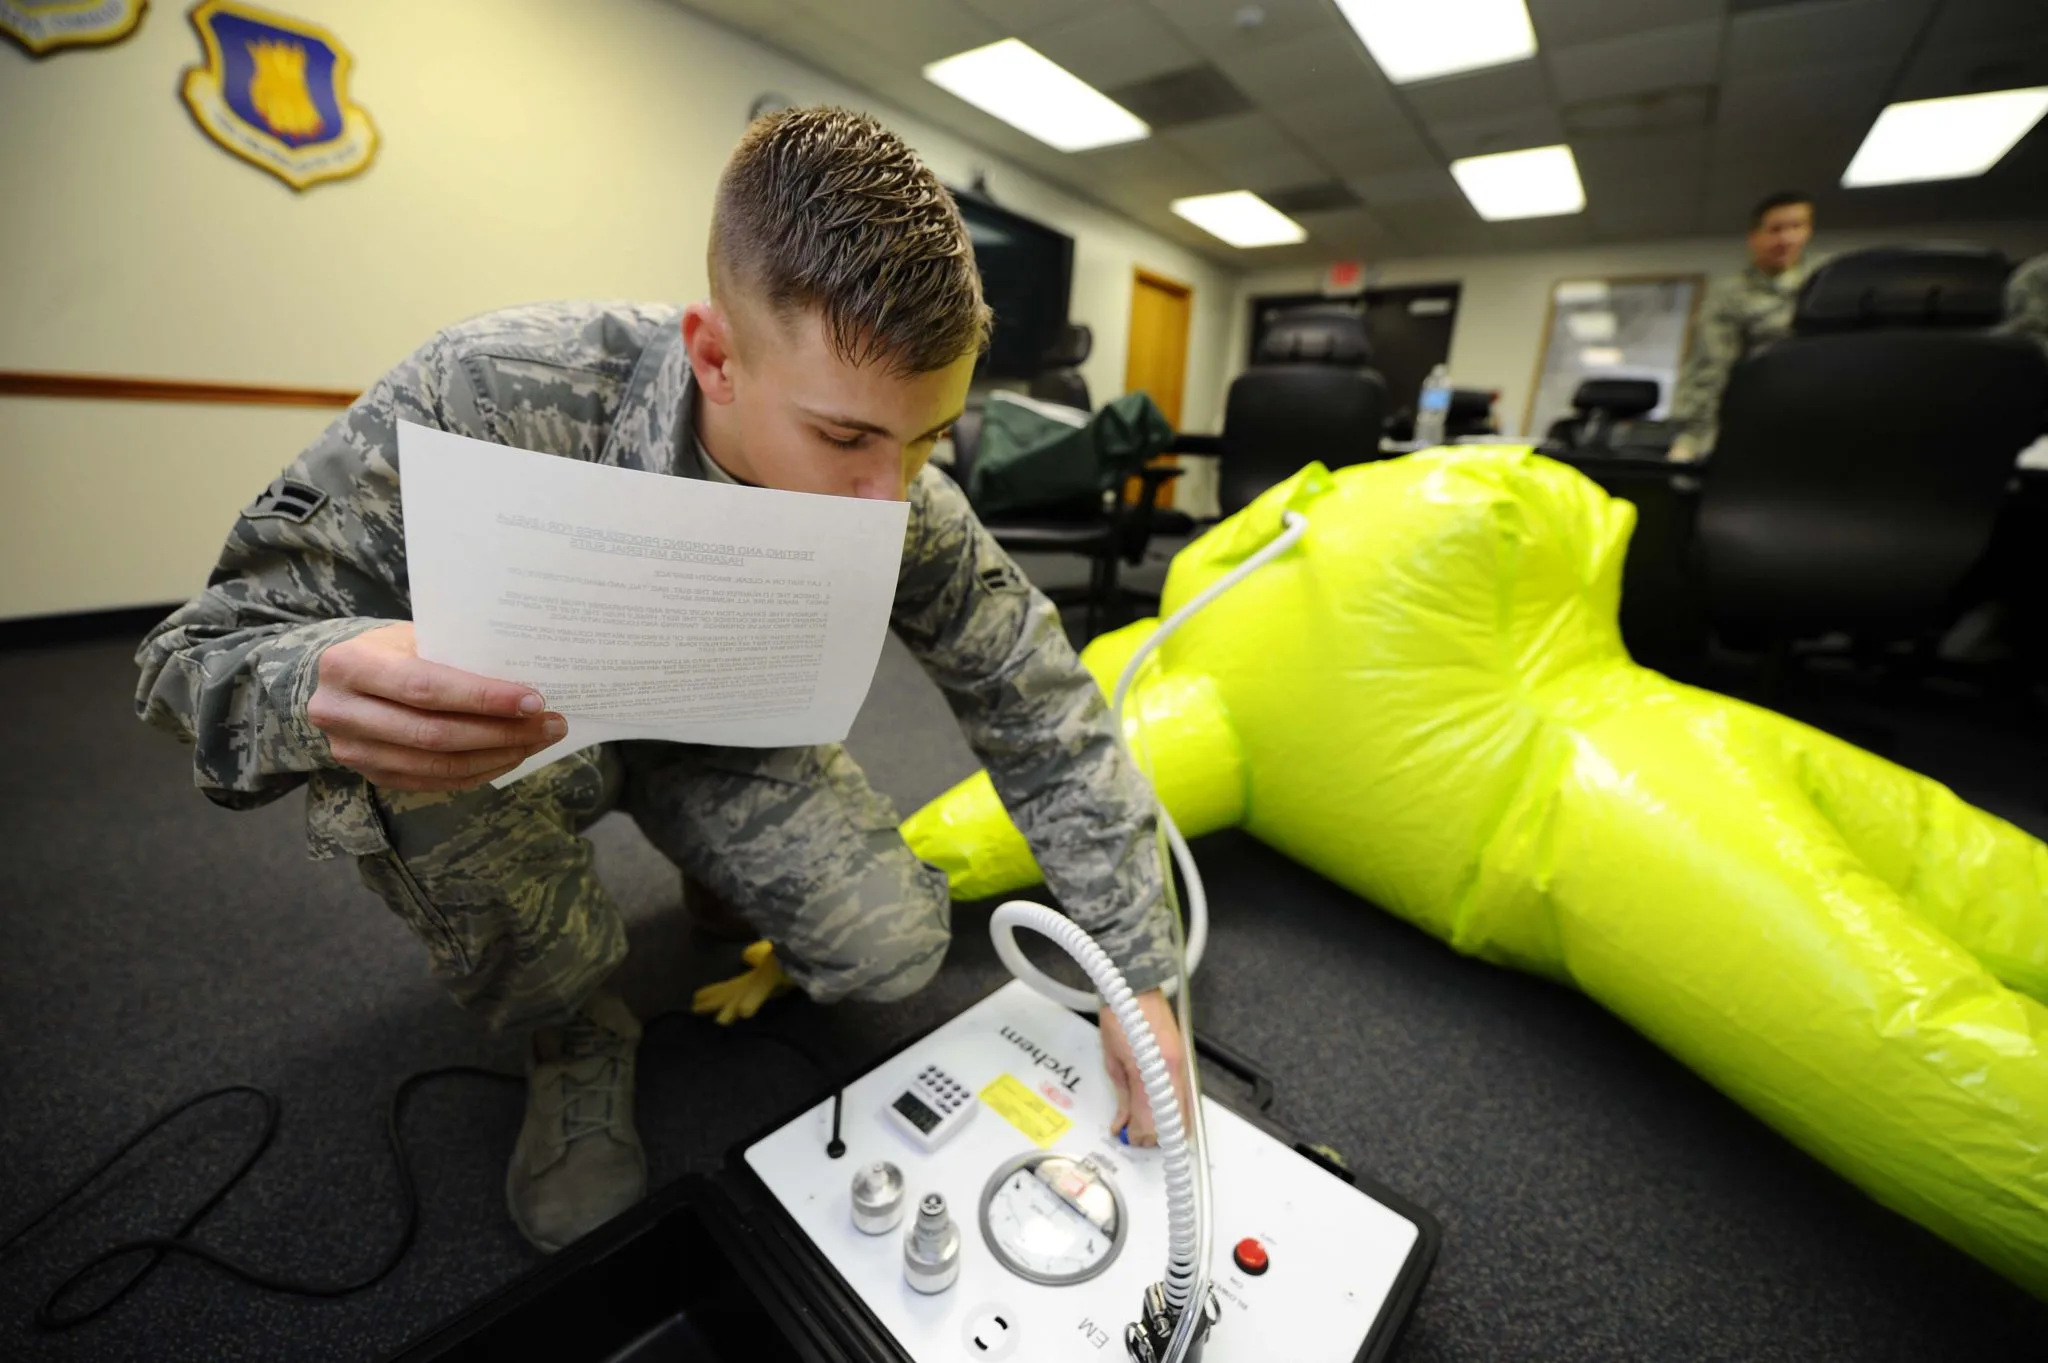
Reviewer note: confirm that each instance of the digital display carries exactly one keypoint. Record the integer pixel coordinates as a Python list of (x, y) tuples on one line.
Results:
[(922, 1117)]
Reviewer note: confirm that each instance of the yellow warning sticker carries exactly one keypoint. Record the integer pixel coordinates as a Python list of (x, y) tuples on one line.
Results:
[(1040, 1121)]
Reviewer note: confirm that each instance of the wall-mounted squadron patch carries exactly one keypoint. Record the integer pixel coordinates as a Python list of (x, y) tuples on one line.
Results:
[(274, 91)]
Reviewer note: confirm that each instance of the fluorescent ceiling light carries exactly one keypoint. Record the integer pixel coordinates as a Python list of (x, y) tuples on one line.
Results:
[(1582, 291), (1590, 326), (1416, 39), (1600, 357), (1944, 139), (1029, 92), (1541, 182), (1241, 218)]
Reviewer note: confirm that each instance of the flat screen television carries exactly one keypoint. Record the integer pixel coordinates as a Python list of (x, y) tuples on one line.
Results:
[(1027, 271)]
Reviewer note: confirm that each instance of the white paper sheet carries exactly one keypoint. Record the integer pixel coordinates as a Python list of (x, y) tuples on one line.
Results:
[(645, 606)]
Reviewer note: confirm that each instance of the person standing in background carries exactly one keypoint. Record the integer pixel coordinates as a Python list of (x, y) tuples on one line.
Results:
[(2026, 301), (1741, 313)]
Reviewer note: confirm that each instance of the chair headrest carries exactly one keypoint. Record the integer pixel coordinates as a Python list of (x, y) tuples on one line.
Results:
[(1321, 333), (1469, 404), (1619, 398), (1071, 350), (1936, 285)]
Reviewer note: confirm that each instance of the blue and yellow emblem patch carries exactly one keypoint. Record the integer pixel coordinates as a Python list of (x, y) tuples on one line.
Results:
[(47, 25), (274, 91)]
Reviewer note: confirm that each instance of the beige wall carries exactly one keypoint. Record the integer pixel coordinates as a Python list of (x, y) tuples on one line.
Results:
[(530, 150), (1504, 299)]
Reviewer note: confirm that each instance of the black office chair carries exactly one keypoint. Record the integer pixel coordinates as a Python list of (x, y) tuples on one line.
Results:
[(1107, 530), (1471, 413), (1060, 381), (1862, 462), (1599, 407), (1309, 397)]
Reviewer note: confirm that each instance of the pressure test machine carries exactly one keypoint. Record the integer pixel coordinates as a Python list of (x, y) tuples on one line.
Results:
[(965, 1199)]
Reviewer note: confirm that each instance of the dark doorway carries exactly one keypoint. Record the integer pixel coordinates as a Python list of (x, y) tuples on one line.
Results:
[(1410, 327)]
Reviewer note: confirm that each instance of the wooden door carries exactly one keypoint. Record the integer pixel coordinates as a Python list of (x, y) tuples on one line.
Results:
[(1156, 362)]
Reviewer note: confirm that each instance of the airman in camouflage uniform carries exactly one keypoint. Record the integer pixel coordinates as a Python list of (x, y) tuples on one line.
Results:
[(1741, 314), (2026, 300), (498, 883)]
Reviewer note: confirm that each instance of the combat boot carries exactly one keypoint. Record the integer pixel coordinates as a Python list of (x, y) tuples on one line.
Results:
[(578, 1160)]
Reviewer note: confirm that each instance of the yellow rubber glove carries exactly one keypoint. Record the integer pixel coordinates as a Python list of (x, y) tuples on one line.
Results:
[(743, 995)]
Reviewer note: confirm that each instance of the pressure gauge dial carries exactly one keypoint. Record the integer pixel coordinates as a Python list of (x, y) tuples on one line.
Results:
[(1052, 1219)]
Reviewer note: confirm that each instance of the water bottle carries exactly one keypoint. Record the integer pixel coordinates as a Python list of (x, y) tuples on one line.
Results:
[(1434, 407)]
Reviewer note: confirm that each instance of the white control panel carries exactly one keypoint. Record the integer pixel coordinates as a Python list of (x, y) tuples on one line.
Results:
[(1304, 1262)]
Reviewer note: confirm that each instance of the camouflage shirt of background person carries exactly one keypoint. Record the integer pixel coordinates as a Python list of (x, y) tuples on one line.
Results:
[(2026, 301), (320, 557), (1741, 314)]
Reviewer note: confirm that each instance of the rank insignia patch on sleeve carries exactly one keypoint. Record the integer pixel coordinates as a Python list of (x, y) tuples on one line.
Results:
[(287, 500)]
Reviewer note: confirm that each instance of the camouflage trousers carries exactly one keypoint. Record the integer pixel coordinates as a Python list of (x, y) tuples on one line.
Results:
[(500, 887)]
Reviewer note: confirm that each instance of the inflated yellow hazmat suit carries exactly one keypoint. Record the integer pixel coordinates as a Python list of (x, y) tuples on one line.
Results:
[(1427, 701)]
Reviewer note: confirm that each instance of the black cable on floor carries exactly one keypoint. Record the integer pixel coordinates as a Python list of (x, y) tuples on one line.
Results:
[(156, 1248)]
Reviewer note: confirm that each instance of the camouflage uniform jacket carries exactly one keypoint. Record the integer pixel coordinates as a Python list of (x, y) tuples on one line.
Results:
[(320, 557), (1739, 314), (2026, 301)]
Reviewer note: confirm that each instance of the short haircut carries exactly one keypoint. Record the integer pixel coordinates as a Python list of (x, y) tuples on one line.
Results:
[(825, 210), (1784, 198)]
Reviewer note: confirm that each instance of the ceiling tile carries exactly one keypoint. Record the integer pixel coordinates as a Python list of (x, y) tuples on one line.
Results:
[(1193, 94), (1800, 105), (913, 32), (1561, 23), (1407, 187), (1346, 231), (1659, 202), (843, 54), (1366, 109), (1824, 32), (1374, 153), (1685, 54), (1646, 217), (1966, 68), (1157, 169), (1764, 160), (1534, 234), (1020, 18), (1479, 94), (1251, 150), (1687, 106), (1301, 68), (1423, 220), (1614, 155), (1533, 127), (1963, 22), (1120, 42), (1325, 196), (1216, 26)]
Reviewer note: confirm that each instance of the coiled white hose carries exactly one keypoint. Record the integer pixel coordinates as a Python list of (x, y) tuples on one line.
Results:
[(1079, 1001), (1187, 1199), (1182, 1231)]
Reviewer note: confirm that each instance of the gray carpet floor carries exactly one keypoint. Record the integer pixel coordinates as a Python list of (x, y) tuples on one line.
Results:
[(1599, 1201)]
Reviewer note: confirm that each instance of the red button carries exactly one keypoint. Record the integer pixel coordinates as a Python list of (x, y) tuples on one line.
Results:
[(1250, 1256)]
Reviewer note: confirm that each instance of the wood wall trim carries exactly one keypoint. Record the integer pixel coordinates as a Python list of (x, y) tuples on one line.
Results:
[(114, 387)]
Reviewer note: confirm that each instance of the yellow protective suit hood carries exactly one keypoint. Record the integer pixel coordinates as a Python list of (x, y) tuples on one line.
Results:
[(1428, 702)]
